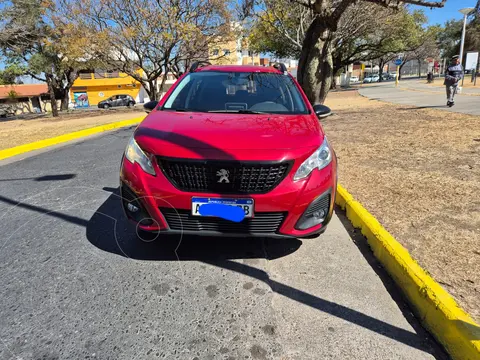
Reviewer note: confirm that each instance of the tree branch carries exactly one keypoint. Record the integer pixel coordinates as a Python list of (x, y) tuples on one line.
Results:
[(397, 3)]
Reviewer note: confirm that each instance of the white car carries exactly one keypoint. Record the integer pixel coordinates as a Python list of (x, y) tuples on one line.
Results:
[(375, 78), (354, 79)]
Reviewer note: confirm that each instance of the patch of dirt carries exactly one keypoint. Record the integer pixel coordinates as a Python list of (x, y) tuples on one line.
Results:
[(418, 172), (14, 132)]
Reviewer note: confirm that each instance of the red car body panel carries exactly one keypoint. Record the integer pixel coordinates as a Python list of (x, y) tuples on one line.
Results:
[(239, 137)]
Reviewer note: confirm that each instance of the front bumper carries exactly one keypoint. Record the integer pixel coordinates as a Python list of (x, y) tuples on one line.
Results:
[(278, 213)]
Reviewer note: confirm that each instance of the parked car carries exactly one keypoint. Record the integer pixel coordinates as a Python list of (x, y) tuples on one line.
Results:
[(354, 79), (367, 79), (375, 78), (386, 76), (230, 150), (117, 100)]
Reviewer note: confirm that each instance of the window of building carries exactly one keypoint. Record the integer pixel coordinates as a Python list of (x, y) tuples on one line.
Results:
[(99, 74), (112, 74), (215, 52), (86, 75), (226, 52)]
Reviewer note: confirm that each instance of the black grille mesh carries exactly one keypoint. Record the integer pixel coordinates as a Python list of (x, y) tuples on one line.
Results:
[(243, 178), (262, 223)]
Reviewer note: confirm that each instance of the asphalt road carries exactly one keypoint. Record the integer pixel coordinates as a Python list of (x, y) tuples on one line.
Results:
[(419, 96), (76, 284)]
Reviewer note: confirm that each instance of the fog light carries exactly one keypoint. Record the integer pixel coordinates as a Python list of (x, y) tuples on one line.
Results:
[(132, 208)]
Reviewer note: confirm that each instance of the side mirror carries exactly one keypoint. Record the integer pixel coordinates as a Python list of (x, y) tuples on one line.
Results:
[(149, 106), (322, 111)]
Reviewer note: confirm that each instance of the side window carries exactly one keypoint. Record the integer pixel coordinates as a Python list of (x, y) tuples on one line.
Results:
[(122, 96), (113, 98), (179, 95)]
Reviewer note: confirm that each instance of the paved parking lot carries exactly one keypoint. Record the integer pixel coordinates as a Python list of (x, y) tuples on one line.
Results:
[(76, 284)]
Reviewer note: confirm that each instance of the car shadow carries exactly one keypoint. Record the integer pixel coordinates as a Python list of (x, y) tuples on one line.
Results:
[(109, 230), (57, 177)]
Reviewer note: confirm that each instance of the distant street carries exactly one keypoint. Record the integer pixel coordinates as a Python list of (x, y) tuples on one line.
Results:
[(413, 92)]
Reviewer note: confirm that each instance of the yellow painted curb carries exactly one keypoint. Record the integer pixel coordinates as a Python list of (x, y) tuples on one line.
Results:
[(17, 150), (437, 310)]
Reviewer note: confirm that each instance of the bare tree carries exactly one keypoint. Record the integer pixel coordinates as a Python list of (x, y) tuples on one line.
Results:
[(35, 38), (148, 38)]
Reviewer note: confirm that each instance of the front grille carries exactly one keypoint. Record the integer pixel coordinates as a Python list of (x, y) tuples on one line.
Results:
[(262, 223), (224, 177)]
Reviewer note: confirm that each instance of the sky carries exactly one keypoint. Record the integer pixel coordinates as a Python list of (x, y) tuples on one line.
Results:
[(449, 11)]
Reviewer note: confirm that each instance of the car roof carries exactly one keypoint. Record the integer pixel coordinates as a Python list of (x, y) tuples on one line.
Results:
[(239, 68)]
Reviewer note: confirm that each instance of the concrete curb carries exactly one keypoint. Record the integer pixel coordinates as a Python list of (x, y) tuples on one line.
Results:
[(437, 310), (17, 150)]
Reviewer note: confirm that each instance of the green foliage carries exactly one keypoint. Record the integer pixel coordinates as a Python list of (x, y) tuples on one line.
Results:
[(9, 75), (449, 37), (280, 27), (12, 94)]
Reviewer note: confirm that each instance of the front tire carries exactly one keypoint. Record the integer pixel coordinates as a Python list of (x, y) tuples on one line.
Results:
[(106, 106), (131, 104)]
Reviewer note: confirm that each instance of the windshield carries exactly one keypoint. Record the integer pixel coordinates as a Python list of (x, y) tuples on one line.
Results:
[(237, 92)]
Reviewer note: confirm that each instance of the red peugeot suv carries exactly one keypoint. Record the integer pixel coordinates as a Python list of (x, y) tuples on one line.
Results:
[(231, 150)]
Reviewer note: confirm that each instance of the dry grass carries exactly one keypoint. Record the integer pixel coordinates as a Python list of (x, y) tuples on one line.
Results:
[(18, 132), (418, 172)]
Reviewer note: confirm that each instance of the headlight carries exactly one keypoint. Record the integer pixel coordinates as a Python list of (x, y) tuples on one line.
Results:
[(134, 154), (318, 160)]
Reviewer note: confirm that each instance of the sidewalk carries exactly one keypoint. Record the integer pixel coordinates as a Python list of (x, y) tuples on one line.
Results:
[(413, 93), (438, 87)]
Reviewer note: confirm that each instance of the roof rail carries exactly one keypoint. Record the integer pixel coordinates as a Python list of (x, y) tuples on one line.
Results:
[(198, 64), (280, 67)]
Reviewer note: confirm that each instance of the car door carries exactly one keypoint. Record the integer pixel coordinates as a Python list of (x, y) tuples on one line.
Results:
[(112, 101), (122, 101)]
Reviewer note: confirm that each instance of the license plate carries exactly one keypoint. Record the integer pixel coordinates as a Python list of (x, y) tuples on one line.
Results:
[(245, 204)]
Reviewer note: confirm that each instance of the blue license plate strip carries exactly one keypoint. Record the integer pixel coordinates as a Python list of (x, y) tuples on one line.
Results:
[(246, 204)]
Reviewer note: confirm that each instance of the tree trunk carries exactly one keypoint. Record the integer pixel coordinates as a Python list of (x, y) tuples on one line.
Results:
[(164, 79), (399, 69), (151, 89), (71, 76), (51, 93), (64, 103), (380, 70), (315, 67), (333, 85)]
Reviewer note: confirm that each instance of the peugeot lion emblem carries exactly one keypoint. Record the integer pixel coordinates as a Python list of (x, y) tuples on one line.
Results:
[(223, 174)]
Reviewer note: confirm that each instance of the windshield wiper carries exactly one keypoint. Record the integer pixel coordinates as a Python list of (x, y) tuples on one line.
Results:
[(240, 111)]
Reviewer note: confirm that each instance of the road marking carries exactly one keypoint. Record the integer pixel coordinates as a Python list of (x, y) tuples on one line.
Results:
[(434, 306), (17, 150)]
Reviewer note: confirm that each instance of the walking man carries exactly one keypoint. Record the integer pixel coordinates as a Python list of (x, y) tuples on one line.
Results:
[(453, 75)]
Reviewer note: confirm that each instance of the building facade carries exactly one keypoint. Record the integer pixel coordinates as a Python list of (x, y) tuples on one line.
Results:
[(91, 87), (24, 99)]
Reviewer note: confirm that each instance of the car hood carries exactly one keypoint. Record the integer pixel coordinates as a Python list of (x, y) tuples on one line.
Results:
[(163, 130)]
